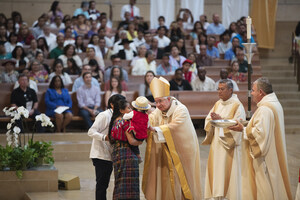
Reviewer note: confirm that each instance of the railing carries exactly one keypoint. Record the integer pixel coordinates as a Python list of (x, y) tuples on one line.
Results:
[(296, 59)]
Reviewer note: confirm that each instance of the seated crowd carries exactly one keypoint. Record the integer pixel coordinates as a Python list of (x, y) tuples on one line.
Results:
[(85, 54)]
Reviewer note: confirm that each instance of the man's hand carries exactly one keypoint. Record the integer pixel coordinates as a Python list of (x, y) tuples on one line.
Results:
[(238, 127), (31, 112), (215, 116)]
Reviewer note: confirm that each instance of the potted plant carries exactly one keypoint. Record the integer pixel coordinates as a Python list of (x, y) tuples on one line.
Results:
[(17, 155)]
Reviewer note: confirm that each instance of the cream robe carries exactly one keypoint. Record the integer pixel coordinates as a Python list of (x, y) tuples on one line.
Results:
[(267, 147), (165, 176), (223, 171)]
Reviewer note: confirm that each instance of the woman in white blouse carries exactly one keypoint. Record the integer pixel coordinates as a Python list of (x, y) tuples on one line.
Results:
[(58, 71), (69, 52)]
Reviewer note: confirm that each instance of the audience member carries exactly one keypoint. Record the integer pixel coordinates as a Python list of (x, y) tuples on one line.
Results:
[(154, 47), (175, 30), (230, 53), (57, 24), (59, 49), (55, 11), (148, 39), (178, 83), (193, 67), (187, 74), (72, 68), (176, 59), (19, 54), (3, 35), (235, 74), (58, 96), (163, 41), (93, 12), (94, 28), (32, 84), (211, 50), (116, 61), (79, 81), (232, 29), (142, 50), (203, 20), (115, 88), (109, 41), (224, 43), (32, 51), (203, 59), (70, 35), (124, 24), (198, 28), (127, 53), (143, 65), (10, 26), (97, 73), (81, 28), (203, 82), (116, 72), (40, 58), (3, 53), (37, 73), (144, 89), (139, 40), (224, 76), (165, 68), (38, 29), (11, 43), (83, 10), (187, 18), (243, 63), (69, 52), (26, 97), (215, 28), (91, 55), (117, 46), (9, 75), (79, 45), (89, 100), (161, 22), (131, 8), (25, 35), (58, 71), (103, 25), (42, 45)]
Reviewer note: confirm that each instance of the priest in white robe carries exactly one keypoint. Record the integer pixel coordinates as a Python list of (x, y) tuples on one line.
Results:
[(172, 160), (267, 169), (223, 170)]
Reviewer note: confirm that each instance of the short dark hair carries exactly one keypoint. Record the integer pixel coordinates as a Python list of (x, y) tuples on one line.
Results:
[(162, 17), (85, 73), (22, 75)]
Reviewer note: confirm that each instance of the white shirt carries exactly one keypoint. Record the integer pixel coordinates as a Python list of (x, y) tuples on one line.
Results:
[(141, 66), (118, 47), (162, 42), (100, 149), (137, 42), (222, 47), (51, 40), (207, 85), (127, 8), (32, 85), (235, 86), (129, 54), (75, 57), (54, 26), (65, 78)]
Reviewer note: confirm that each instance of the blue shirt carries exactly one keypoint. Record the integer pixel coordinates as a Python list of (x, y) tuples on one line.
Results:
[(229, 54), (53, 99), (214, 52), (79, 82), (79, 11), (213, 29), (170, 70)]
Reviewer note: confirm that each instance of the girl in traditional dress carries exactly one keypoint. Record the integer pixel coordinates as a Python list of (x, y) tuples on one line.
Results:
[(125, 161)]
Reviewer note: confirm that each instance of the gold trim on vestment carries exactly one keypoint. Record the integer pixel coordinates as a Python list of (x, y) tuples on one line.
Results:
[(280, 151), (170, 164), (147, 160), (176, 161)]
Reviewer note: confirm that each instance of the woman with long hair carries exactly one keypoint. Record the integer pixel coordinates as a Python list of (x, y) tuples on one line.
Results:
[(43, 45), (57, 95), (55, 11), (11, 43), (175, 58), (115, 88), (72, 68), (144, 89), (69, 52), (125, 161), (19, 54), (79, 45), (116, 71), (58, 71)]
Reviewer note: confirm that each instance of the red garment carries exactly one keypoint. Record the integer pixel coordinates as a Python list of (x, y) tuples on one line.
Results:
[(188, 76), (131, 14), (139, 124), (119, 128)]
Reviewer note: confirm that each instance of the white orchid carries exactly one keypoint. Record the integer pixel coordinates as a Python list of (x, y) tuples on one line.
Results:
[(17, 130), (8, 133), (8, 126), (44, 119), (23, 111), (9, 112)]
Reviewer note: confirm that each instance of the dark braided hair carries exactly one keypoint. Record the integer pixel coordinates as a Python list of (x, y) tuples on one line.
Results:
[(120, 105)]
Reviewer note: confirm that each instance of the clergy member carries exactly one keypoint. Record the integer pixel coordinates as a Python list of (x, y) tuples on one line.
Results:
[(223, 171), (268, 169), (172, 167)]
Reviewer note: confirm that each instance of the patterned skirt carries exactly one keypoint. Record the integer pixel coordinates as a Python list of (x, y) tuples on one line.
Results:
[(126, 171)]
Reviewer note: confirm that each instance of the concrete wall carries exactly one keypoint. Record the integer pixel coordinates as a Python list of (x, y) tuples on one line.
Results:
[(288, 10)]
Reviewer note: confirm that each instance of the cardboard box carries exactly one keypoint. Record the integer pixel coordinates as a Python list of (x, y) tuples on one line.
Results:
[(68, 182)]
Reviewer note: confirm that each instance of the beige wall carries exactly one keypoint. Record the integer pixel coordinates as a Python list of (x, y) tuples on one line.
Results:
[(288, 10)]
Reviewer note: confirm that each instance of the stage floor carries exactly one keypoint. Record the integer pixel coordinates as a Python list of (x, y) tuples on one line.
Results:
[(86, 173)]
